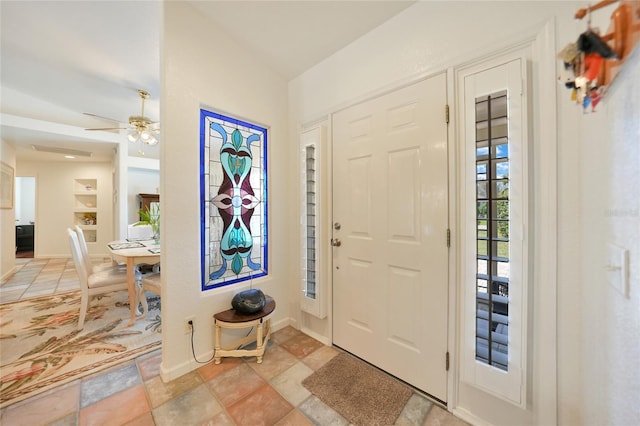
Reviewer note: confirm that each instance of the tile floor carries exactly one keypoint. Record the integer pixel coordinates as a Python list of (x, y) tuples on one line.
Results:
[(39, 277), (236, 392)]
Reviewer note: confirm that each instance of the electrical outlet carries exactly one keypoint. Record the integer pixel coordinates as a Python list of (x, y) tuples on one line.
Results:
[(188, 324)]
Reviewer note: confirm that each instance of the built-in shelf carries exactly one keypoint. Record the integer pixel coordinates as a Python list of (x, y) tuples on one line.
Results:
[(85, 211)]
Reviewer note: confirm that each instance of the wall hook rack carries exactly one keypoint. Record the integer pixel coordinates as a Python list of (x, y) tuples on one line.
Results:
[(622, 36)]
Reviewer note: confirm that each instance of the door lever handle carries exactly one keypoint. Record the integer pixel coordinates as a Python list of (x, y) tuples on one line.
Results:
[(336, 242)]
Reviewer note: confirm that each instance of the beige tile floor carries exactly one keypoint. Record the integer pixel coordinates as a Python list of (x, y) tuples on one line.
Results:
[(236, 392), (39, 277)]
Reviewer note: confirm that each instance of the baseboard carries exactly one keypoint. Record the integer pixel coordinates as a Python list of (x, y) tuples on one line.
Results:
[(168, 375), (323, 339), (280, 324), (465, 415), (179, 370), (10, 273)]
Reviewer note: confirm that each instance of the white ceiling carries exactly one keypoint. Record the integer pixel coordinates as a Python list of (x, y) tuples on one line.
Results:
[(293, 36), (59, 59)]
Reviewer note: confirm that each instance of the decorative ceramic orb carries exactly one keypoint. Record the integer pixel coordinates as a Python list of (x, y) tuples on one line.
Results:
[(249, 301)]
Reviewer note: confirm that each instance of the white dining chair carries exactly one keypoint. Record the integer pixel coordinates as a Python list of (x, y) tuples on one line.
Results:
[(93, 283), (91, 267), (150, 282)]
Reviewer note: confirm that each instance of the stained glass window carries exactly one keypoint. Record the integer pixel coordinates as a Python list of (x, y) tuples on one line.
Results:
[(233, 200)]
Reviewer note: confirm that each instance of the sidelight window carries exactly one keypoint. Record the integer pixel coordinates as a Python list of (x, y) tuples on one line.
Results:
[(310, 221), (492, 230), (494, 227), (312, 229)]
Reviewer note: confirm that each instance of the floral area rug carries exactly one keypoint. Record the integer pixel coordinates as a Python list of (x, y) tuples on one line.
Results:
[(40, 346)]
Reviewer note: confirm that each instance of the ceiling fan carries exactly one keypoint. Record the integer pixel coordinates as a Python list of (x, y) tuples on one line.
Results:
[(140, 127)]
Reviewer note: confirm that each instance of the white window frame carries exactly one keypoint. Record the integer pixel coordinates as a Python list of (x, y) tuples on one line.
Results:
[(505, 72), (317, 138)]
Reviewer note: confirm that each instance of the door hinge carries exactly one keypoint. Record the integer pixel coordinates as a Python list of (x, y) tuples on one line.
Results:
[(448, 237), (446, 114), (447, 361)]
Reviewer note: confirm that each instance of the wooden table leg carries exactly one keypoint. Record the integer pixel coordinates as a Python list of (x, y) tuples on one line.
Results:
[(229, 319), (259, 343), (131, 287), (217, 344)]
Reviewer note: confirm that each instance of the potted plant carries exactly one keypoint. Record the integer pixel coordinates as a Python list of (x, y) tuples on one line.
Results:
[(151, 216)]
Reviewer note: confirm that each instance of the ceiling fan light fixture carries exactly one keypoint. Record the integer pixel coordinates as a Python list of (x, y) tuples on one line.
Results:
[(147, 137), (143, 135), (152, 140), (133, 136), (141, 128)]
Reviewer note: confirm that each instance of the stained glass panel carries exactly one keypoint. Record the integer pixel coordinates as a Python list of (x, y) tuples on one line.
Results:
[(233, 200)]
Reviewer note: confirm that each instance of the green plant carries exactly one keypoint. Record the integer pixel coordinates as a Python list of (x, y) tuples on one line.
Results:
[(150, 216)]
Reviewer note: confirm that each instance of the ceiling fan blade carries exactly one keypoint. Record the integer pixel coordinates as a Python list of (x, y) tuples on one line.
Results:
[(136, 122), (109, 128), (104, 118)]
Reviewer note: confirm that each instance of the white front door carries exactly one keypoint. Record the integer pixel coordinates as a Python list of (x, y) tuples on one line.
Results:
[(390, 233)]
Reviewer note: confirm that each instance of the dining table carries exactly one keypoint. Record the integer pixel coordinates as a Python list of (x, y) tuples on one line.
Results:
[(133, 253)]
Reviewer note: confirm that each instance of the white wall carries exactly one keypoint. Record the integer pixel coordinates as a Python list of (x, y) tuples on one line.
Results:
[(203, 67), (7, 219), (610, 210), (431, 36), (55, 204), (424, 38)]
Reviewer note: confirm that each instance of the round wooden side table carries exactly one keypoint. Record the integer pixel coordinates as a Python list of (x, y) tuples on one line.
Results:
[(231, 319)]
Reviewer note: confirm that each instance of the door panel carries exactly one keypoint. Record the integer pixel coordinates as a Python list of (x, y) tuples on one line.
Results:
[(390, 196)]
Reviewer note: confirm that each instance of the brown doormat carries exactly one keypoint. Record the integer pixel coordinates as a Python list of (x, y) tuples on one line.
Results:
[(361, 393)]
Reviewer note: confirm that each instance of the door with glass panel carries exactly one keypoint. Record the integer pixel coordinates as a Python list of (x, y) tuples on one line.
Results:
[(390, 211)]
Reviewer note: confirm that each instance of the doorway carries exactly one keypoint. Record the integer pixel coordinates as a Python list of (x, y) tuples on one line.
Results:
[(390, 271), (25, 216)]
